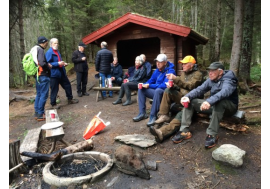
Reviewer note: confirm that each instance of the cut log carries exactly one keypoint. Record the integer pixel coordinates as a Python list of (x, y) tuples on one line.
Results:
[(39, 157)]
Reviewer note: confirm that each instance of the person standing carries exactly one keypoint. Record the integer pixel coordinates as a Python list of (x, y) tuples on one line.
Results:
[(116, 74), (58, 74), (81, 69), (131, 83), (153, 89), (189, 79), (223, 100), (43, 78), (104, 58)]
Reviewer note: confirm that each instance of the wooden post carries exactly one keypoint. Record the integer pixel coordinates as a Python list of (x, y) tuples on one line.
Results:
[(15, 159)]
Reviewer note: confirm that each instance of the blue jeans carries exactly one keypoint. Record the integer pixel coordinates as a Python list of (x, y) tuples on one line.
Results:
[(42, 89), (103, 76), (155, 94)]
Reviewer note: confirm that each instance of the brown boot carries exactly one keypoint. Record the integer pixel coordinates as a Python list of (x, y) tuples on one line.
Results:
[(157, 133), (162, 119)]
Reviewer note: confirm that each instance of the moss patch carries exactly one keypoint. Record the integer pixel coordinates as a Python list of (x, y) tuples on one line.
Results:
[(225, 168)]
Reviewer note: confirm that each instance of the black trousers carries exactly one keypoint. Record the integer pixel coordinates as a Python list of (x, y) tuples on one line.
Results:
[(65, 84), (82, 78)]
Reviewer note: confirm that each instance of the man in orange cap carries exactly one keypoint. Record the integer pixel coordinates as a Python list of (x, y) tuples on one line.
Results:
[(189, 79)]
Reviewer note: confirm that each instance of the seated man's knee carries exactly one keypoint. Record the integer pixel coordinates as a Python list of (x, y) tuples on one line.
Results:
[(159, 91)]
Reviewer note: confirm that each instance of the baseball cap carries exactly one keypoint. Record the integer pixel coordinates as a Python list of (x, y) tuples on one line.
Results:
[(215, 66), (42, 39), (188, 59), (161, 58), (82, 44)]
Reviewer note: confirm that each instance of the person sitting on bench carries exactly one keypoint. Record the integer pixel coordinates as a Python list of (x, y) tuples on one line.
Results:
[(116, 74), (131, 83), (223, 100)]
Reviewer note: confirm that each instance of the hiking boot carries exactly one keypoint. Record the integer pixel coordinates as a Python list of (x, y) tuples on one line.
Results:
[(73, 101), (118, 101), (35, 115), (128, 102), (41, 117), (162, 119), (211, 141), (151, 121), (140, 117), (79, 94), (180, 136), (157, 133), (85, 94), (55, 106)]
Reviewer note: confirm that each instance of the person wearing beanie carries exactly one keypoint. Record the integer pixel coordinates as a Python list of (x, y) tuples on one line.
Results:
[(58, 74), (189, 79), (140, 76), (81, 68), (153, 89), (43, 79)]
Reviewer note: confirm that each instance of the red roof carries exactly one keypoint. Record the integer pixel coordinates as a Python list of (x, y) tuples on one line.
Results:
[(140, 20)]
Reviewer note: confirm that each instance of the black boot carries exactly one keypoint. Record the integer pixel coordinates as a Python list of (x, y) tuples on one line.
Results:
[(121, 94), (128, 97)]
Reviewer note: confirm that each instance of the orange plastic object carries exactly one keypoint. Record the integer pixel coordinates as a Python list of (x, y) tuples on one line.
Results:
[(96, 125)]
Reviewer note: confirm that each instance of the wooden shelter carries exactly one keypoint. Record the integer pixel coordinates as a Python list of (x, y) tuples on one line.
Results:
[(134, 34)]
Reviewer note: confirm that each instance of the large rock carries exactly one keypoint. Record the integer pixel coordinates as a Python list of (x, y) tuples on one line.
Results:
[(138, 140), (230, 154), (130, 162)]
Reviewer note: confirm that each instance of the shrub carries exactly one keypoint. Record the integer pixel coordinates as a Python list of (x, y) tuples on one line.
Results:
[(255, 73)]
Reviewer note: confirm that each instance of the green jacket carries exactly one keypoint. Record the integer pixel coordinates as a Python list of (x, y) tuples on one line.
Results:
[(188, 81)]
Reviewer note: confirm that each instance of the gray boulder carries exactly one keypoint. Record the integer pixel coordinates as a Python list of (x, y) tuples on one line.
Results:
[(230, 154), (130, 162)]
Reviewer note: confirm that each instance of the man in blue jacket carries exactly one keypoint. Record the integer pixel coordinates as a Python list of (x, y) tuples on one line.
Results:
[(58, 74), (104, 58), (154, 89), (223, 100)]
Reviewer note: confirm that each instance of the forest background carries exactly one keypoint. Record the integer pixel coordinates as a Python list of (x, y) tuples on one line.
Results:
[(232, 26)]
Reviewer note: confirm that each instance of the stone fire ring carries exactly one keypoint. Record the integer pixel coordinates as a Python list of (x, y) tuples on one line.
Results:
[(52, 179)]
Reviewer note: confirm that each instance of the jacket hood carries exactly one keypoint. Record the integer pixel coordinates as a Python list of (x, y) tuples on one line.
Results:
[(228, 74), (168, 66)]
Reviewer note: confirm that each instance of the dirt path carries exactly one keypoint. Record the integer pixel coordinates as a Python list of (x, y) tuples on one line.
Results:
[(178, 164)]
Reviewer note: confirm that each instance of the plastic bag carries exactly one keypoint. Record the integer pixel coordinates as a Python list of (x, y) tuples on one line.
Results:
[(95, 126)]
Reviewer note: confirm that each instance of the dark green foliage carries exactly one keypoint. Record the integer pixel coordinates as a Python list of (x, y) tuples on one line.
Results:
[(255, 73)]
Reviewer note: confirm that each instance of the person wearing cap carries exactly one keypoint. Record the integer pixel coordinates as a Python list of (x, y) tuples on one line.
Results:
[(58, 74), (153, 89), (223, 100), (81, 68), (104, 58), (189, 79), (43, 79)]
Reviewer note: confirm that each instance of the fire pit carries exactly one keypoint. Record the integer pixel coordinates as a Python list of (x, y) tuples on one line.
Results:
[(79, 157)]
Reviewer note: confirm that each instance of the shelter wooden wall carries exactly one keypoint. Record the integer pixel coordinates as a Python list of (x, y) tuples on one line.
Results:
[(171, 45)]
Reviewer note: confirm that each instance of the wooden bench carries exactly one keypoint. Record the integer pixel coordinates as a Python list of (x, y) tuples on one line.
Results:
[(116, 88), (100, 89)]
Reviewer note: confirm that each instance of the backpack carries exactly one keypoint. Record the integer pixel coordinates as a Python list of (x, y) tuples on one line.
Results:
[(29, 65)]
